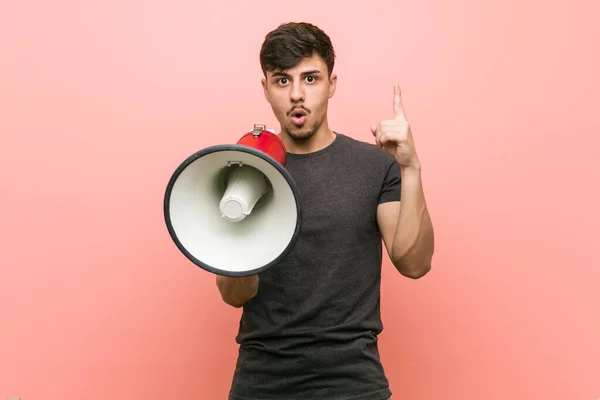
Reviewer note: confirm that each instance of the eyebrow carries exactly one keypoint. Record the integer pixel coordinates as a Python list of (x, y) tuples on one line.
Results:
[(286, 75)]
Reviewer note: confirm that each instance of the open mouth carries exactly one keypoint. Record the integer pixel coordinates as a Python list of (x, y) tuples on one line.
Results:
[(298, 116)]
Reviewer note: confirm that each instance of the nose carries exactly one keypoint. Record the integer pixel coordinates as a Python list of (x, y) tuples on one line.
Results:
[(297, 94)]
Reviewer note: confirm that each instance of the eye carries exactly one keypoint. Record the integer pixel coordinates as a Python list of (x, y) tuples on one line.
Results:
[(311, 78), (282, 81)]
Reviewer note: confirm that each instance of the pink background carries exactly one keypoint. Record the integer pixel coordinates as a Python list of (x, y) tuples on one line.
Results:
[(100, 101)]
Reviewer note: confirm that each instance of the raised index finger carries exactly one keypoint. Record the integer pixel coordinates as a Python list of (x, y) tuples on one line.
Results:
[(398, 109)]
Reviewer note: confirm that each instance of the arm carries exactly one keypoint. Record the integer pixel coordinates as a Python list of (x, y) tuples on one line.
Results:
[(406, 227), (237, 291)]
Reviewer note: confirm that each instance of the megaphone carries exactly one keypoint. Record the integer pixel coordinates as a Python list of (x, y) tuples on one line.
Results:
[(234, 209)]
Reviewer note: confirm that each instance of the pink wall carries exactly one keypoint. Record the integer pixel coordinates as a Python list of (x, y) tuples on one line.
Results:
[(99, 101)]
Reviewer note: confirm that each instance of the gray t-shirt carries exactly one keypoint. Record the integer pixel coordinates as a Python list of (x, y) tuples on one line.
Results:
[(311, 331)]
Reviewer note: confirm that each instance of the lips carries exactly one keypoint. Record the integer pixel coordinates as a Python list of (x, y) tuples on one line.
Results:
[(298, 116)]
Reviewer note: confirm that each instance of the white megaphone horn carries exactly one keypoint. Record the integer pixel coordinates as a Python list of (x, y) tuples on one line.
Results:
[(234, 209)]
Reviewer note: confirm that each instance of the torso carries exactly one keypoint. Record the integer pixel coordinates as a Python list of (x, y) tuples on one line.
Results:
[(316, 314)]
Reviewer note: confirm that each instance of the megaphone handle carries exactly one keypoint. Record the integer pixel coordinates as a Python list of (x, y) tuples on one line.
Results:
[(258, 129)]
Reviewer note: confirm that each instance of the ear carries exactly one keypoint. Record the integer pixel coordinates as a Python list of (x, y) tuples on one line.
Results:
[(264, 85), (332, 85)]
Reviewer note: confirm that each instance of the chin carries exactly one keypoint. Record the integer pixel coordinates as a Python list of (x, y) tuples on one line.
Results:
[(301, 134)]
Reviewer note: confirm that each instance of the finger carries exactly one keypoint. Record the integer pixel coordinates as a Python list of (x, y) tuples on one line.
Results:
[(374, 129), (398, 108), (383, 139), (374, 132), (378, 143), (386, 139)]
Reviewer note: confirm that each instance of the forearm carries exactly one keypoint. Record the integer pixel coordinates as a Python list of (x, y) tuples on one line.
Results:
[(413, 244), (237, 291)]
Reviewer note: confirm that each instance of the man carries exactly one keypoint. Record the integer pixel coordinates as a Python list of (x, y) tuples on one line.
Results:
[(309, 325)]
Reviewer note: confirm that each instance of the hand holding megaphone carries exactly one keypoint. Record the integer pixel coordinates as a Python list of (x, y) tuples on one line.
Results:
[(235, 291)]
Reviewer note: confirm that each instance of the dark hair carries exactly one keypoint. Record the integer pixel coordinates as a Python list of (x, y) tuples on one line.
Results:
[(285, 46)]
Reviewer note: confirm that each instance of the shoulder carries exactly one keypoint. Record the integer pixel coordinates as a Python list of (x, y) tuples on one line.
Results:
[(366, 153), (351, 142), (377, 170)]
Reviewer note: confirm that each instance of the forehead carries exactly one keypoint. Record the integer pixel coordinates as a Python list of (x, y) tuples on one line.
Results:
[(308, 64)]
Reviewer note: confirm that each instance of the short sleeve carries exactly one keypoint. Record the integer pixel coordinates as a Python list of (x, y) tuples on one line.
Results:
[(390, 190)]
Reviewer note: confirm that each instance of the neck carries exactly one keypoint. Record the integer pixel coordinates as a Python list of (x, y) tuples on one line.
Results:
[(322, 138)]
